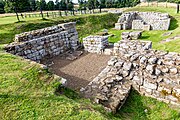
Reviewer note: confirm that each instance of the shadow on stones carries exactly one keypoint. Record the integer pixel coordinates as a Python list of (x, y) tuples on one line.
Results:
[(133, 107), (174, 24)]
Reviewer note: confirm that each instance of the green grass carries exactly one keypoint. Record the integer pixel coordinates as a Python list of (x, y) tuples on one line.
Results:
[(29, 92), (85, 25)]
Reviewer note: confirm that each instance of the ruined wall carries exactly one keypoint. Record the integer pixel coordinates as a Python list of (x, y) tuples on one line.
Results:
[(153, 73), (95, 44), (49, 41), (144, 21)]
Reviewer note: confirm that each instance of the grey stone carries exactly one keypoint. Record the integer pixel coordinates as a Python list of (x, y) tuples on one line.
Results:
[(152, 60), (150, 85), (173, 70), (127, 66), (150, 68)]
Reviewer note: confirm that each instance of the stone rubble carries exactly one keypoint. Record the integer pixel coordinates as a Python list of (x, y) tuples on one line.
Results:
[(143, 21), (170, 39), (152, 73), (134, 35)]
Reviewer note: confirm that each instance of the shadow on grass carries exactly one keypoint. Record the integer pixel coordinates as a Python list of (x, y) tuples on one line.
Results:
[(61, 90), (144, 37), (174, 24), (133, 108), (20, 22)]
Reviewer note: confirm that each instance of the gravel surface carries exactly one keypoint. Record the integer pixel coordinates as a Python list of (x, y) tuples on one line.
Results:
[(81, 71)]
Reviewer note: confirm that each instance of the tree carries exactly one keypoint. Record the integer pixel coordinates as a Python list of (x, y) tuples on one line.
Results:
[(2, 4), (50, 5), (13, 5), (32, 4)]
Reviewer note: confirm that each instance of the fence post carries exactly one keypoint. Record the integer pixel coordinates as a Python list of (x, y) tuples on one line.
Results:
[(73, 12), (47, 14), (60, 13), (65, 12)]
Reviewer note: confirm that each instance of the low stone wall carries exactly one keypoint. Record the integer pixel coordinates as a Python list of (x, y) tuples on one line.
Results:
[(49, 41), (153, 73), (134, 35), (143, 21), (95, 44)]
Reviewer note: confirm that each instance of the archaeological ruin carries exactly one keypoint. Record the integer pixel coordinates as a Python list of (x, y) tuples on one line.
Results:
[(49, 41), (133, 63), (143, 21)]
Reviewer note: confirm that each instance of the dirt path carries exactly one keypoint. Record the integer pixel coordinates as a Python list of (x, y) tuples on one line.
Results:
[(81, 71)]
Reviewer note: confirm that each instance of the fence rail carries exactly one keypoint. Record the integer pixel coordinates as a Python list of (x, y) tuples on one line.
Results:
[(54, 14)]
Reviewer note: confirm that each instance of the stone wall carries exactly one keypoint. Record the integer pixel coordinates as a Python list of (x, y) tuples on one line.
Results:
[(49, 41), (143, 21), (152, 73), (133, 35), (95, 44)]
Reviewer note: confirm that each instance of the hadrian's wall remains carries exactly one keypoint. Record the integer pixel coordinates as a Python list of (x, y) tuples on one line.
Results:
[(48, 41), (143, 21), (134, 64)]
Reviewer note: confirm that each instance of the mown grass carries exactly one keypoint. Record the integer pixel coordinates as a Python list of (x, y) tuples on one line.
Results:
[(29, 92)]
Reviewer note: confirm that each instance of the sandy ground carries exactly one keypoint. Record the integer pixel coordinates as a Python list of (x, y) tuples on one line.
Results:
[(81, 71)]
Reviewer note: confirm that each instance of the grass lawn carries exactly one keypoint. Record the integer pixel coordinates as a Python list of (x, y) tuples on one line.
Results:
[(28, 92)]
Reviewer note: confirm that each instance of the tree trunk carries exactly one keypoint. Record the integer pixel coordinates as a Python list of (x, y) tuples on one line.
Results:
[(177, 8), (41, 13), (16, 13)]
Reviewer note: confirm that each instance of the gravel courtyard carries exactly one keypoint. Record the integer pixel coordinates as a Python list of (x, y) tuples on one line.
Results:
[(81, 71)]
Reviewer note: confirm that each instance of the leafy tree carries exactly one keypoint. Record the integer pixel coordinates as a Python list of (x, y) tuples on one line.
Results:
[(50, 5), (32, 4), (2, 4)]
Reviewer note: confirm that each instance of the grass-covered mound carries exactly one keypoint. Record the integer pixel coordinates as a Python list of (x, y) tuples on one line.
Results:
[(28, 92)]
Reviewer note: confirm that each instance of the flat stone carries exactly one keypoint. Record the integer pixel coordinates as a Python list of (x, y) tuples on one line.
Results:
[(127, 66), (150, 68), (173, 70), (150, 85), (152, 60)]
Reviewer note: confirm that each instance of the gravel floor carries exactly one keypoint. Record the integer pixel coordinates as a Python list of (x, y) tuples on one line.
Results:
[(81, 71)]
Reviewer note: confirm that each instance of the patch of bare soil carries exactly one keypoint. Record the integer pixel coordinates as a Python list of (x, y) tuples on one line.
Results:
[(81, 71)]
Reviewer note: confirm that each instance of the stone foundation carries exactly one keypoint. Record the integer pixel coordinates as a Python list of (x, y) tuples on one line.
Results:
[(143, 21), (152, 73), (49, 41)]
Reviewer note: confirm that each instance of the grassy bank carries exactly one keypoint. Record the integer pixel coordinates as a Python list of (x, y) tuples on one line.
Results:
[(28, 92), (86, 24)]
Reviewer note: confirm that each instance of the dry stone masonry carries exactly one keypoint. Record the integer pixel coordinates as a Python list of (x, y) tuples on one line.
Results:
[(134, 35), (152, 73), (133, 64), (95, 44), (143, 21), (49, 41)]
